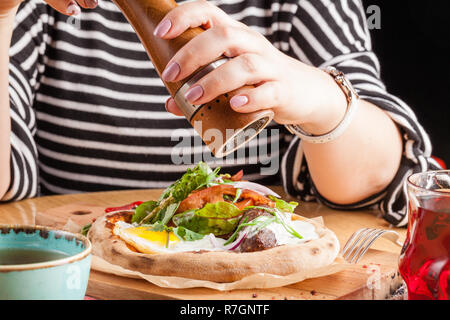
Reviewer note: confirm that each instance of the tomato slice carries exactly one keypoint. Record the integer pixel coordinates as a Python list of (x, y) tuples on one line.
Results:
[(130, 206), (198, 199), (238, 176)]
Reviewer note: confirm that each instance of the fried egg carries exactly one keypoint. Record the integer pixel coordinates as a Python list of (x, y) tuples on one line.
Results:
[(146, 240)]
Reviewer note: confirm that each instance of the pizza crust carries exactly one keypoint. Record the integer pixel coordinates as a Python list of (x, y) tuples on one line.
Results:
[(217, 266)]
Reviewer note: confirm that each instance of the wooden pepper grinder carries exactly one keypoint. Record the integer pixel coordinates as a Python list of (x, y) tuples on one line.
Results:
[(221, 128)]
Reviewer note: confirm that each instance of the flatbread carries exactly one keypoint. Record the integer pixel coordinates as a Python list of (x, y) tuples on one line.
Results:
[(217, 266)]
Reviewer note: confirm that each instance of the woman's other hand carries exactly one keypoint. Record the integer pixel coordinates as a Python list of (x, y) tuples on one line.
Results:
[(296, 92)]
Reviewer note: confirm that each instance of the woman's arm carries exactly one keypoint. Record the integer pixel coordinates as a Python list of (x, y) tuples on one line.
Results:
[(361, 162), (6, 28), (334, 33)]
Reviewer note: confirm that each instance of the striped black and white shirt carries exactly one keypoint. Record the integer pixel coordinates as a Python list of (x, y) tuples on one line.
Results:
[(87, 106)]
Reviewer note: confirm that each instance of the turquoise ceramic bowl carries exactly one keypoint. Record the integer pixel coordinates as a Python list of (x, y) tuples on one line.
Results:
[(62, 279)]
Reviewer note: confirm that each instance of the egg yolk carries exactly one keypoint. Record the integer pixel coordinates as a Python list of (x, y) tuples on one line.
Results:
[(153, 236)]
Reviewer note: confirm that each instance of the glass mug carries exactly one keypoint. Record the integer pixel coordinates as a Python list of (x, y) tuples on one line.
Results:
[(425, 256)]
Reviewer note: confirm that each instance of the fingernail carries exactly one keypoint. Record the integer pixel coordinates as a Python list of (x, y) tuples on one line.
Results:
[(194, 93), (167, 102), (162, 28), (171, 72), (73, 9), (91, 3), (238, 101)]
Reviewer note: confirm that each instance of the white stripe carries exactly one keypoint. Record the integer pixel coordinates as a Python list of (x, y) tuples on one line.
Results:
[(113, 181), (93, 16), (126, 183), (434, 162), (423, 163), (25, 12), (102, 91), (100, 36), (357, 27), (354, 55), (24, 83), (105, 110), (132, 149), (101, 54), (106, 74), (362, 13), (18, 88), (298, 51), (110, 6), (22, 175), (16, 100), (368, 78), (311, 39), (358, 64), (321, 23), (29, 62), (394, 194), (342, 23), (409, 153), (16, 176), (15, 117), (136, 166), (251, 11), (285, 7), (113, 130), (281, 45), (20, 44)]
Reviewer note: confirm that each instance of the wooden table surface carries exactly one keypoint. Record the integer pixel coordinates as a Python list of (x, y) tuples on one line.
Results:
[(349, 284)]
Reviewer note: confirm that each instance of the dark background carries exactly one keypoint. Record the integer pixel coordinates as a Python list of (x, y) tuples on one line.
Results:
[(413, 45)]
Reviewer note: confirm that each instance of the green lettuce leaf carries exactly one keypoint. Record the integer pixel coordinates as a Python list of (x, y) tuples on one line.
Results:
[(143, 210), (186, 234), (218, 218), (284, 206)]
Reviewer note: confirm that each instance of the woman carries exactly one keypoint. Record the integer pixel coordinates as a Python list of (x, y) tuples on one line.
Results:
[(82, 109)]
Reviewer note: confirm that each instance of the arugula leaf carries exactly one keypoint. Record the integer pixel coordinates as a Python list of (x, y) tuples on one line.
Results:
[(193, 179), (284, 206), (170, 211), (143, 210), (238, 195), (85, 229), (236, 232), (186, 234), (259, 223), (277, 214)]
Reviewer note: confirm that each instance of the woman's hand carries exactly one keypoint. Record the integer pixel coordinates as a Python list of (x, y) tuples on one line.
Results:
[(296, 92), (68, 7)]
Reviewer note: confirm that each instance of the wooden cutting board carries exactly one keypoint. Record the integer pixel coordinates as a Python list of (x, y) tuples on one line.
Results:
[(375, 277)]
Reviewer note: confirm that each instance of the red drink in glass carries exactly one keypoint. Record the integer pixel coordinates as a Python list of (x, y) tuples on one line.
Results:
[(425, 257)]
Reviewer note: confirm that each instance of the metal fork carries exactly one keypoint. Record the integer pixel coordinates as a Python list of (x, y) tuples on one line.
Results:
[(365, 238)]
